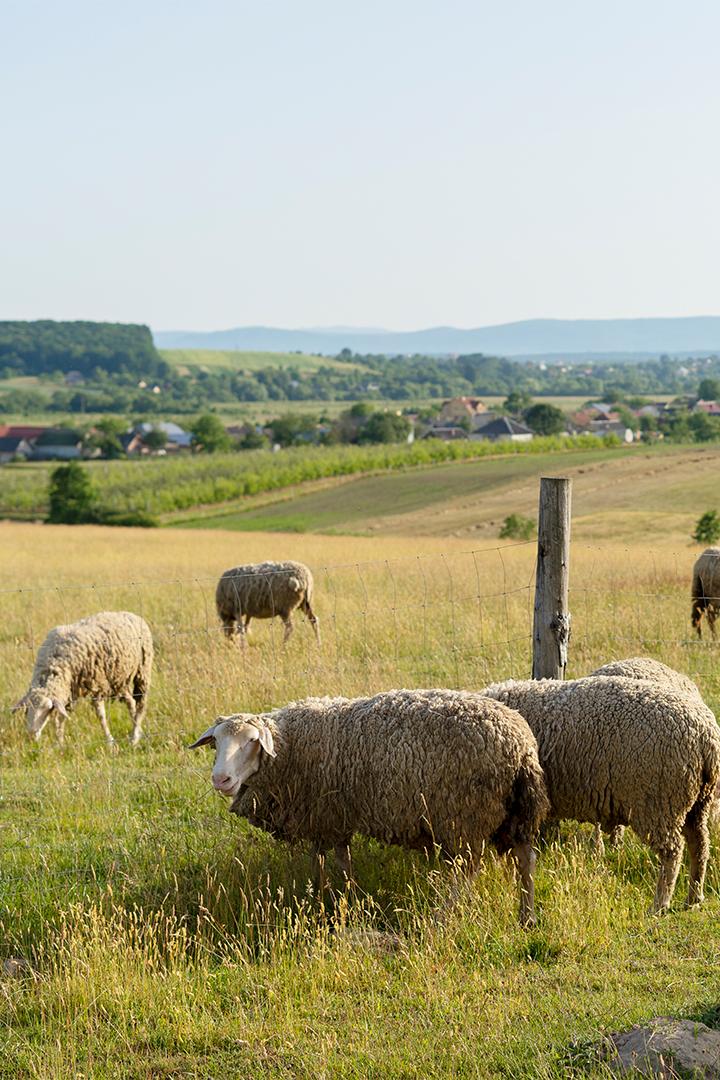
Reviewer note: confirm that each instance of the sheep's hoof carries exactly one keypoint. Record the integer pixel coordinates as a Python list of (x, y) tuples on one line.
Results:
[(112, 746), (694, 905)]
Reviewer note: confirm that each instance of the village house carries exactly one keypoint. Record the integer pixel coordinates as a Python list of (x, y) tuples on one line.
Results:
[(13, 447), (503, 429), (460, 408)]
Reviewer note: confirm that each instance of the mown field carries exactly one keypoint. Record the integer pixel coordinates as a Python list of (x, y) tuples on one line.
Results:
[(167, 939), (239, 360), (162, 486)]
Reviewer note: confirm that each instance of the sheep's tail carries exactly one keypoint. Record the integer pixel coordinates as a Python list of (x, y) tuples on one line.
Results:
[(527, 806)]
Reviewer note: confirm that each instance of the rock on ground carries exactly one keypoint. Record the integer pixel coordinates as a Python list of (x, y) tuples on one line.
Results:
[(667, 1048)]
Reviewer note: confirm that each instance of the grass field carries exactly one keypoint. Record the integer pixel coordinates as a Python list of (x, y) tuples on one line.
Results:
[(626, 494), (170, 940), (232, 359)]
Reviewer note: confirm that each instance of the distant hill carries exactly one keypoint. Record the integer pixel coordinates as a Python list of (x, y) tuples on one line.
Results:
[(532, 337), (44, 346)]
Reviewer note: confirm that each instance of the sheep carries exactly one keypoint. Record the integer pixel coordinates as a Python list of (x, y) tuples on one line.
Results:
[(640, 667), (706, 589), (104, 656), (621, 751), (418, 768), (262, 591), (644, 667)]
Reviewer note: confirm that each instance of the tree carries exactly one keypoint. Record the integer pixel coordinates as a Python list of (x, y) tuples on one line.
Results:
[(252, 440), (709, 389), (71, 496), (208, 434), (385, 428), (545, 419), (707, 528), (517, 402), (155, 439)]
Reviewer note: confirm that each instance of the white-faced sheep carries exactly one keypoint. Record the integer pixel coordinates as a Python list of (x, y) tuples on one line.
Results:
[(418, 768), (262, 591), (102, 657), (640, 667), (706, 589), (621, 751)]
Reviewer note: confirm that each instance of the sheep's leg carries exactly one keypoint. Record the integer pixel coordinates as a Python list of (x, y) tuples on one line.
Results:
[(524, 858), (711, 617), (100, 710), (344, 860), (598, 841), (137, 715), (616, 836), (288, 624), (312, 619), (670, 858), (60, 728), (246, 627), (698, 841), (228, 624), (319, 876)]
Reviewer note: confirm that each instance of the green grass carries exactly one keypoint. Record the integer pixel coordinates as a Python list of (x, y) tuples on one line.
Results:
[(231, 359), (169, 940)]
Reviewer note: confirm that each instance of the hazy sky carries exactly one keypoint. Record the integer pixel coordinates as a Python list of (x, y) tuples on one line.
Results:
[(399, 163)]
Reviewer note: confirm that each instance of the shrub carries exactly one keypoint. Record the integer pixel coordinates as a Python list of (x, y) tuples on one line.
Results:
[(707, 528), (517, 527), (71, 496)]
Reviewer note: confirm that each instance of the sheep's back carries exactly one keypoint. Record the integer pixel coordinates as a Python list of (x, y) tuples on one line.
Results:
[(407, 767), (263, 590), (619, 750), (102, 653)]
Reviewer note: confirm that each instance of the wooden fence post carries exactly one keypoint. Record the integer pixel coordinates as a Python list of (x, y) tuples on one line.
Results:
[(551, 622)]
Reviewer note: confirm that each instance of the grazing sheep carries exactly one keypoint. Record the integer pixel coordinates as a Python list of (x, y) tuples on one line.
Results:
[(417, 768), (105, 656), (262, 591), (621, 751), (706, 589), (640, 667)]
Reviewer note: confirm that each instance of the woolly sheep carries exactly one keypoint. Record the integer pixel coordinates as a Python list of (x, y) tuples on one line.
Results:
[(621, 751), (644, 667), (262, 591), (417, 768), (104, 656), (706, 589), (640, 667)]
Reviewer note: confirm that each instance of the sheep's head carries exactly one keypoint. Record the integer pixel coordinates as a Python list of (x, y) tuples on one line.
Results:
[(38, 705), (239, 742)]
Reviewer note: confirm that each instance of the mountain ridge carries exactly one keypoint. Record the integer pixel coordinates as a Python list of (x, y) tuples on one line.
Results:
[(526, 338)]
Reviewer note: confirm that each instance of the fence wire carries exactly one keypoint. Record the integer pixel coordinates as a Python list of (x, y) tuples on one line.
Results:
[(454, 619)]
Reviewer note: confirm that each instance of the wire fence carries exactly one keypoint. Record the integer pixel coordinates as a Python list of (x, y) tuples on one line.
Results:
[(458, 619)]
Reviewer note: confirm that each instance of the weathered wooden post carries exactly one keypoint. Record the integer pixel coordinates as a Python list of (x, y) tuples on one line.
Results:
[(551, 622)]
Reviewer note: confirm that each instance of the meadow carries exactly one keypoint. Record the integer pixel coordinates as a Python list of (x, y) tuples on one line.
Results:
[(167, 939)]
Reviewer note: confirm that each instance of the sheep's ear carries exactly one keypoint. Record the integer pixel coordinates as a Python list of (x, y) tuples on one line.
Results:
[(59, 707), (19, 704), (266, 740), (205, 739)]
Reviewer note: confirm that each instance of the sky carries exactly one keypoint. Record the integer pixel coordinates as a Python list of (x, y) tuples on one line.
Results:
[(394, 163)]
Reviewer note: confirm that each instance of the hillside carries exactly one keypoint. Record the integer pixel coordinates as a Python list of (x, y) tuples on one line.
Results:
[(526, 338)]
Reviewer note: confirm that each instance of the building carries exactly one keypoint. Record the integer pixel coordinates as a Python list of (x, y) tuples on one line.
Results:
[(57, 444), (13, 446), (177, 438), (460, 408), (503, 429)]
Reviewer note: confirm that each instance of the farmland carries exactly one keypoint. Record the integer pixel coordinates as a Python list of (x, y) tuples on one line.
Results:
[(126, 883)]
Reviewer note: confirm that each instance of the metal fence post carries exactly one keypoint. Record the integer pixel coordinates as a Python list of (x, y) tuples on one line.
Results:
[(551, 621)]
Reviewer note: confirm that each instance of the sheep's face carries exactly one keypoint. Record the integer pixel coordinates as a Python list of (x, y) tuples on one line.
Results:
[(239, 742), (38, 706)]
